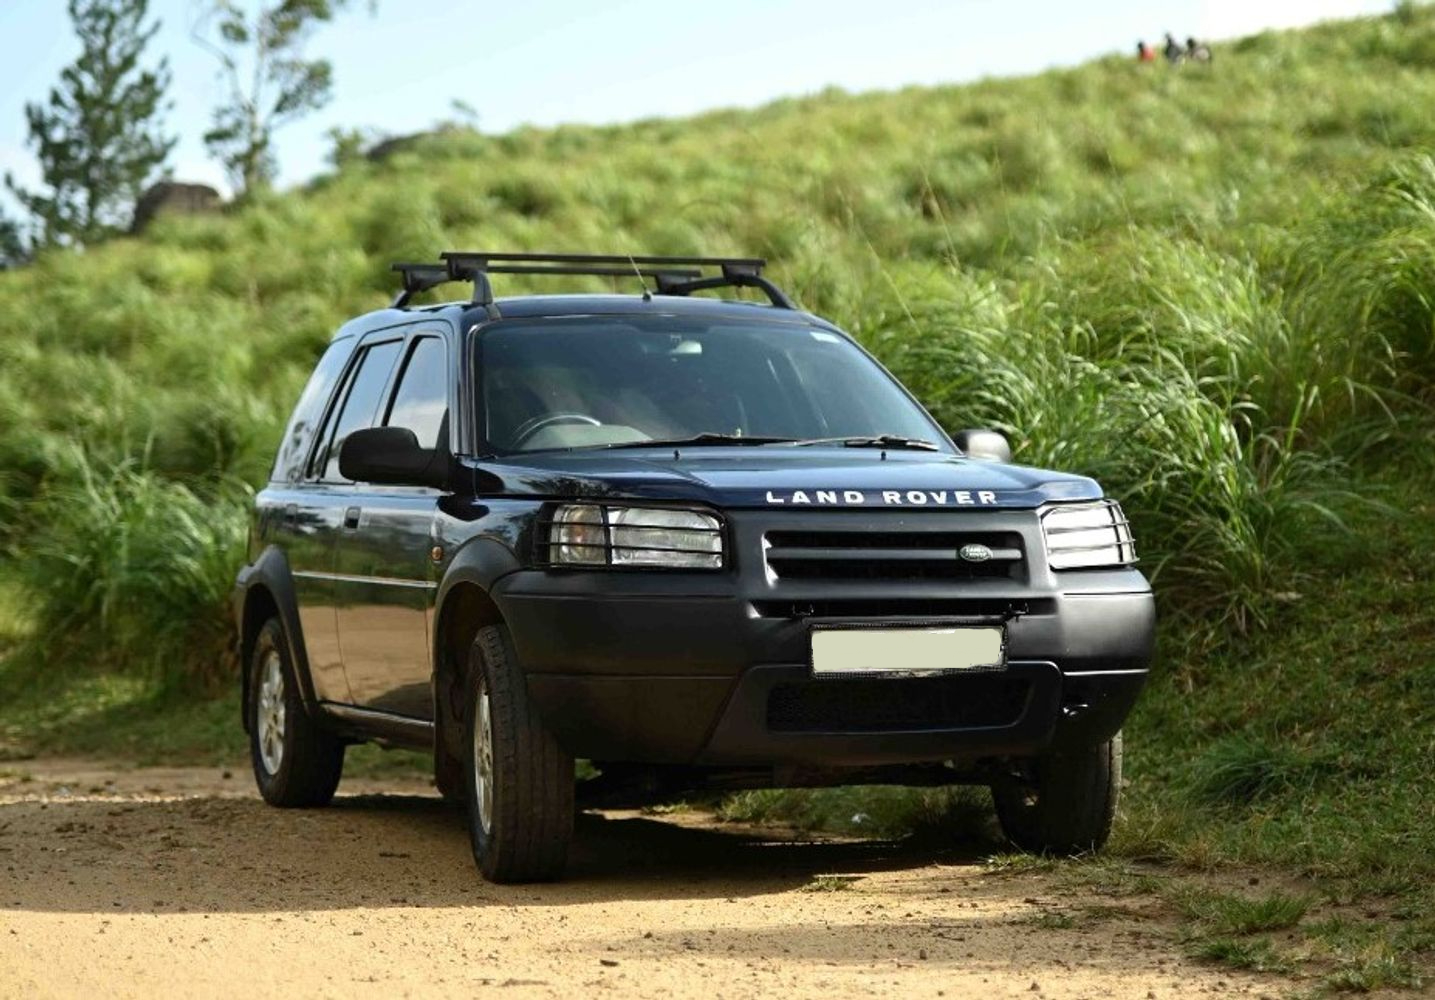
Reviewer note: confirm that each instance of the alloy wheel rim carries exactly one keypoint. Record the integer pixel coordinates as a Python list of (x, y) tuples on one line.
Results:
[(483, 759), (271, 713)]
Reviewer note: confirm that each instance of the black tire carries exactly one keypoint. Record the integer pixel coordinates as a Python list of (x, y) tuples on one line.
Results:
[(530, 821), (310, 759), (1069, 807)]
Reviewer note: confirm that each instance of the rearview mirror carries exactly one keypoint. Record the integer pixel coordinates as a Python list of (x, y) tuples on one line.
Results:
[(986, 446), (391, 456)]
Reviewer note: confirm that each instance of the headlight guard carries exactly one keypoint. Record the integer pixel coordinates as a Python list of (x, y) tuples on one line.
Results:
[(1087, 535), (623, 536)]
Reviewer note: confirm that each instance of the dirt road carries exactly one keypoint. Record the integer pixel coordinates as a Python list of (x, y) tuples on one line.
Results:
[(161, 882)]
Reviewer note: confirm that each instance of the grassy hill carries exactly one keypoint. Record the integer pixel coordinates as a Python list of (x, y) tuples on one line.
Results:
[(1209, 287)]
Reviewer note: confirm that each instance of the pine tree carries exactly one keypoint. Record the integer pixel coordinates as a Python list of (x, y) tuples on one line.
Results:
[(98, 138), (12, 244)]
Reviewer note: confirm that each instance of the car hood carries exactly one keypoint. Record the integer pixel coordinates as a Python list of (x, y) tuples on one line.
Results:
[(768, 477)]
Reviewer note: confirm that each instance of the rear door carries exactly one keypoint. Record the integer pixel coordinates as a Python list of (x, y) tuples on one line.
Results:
[(306, 525), (384, 570)]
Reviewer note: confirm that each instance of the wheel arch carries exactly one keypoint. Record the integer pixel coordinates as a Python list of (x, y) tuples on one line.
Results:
[(464, 605), (266, 590)]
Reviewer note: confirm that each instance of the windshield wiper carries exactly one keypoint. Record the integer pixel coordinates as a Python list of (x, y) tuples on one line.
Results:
[(894, 441), (707, 438)]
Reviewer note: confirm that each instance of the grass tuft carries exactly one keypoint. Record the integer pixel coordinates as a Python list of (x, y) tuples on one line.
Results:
[(1051, 920), (1243, 769), (1222, 914), (1255, 955), (1366, 975), (831, 883)]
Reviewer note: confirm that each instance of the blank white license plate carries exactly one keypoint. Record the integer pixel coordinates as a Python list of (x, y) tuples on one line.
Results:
[(906, 651)]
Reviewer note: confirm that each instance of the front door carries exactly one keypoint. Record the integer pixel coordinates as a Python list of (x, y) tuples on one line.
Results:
[(321, 503), (383, 569)]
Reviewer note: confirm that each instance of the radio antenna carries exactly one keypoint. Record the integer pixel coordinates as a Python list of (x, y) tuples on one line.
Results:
[(647, 295)]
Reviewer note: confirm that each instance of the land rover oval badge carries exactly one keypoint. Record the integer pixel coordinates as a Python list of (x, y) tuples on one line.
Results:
[(975, 552)]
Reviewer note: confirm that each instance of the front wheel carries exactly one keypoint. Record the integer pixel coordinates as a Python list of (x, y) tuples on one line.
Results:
[(519, 780), (1067, 804), (296, 762)]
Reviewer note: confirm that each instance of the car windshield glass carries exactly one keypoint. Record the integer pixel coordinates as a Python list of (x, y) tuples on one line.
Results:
[(594, 382)]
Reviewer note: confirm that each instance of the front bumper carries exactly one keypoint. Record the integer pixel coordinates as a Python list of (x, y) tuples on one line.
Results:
[(695, 670)]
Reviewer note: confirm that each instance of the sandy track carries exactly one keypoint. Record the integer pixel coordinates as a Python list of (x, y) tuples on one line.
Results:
[(168, 882)]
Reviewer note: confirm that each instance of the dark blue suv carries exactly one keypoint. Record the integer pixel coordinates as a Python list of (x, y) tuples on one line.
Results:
[(705, 544)]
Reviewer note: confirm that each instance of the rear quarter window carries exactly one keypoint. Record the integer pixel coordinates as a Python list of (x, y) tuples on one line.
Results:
[(294, 448), (360, 405)]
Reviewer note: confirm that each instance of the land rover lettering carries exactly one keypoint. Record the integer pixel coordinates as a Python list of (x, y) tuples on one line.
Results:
[(889, 498)]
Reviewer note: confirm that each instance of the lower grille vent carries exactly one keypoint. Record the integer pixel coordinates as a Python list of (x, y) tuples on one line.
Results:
[(962, 607), (872, 705)]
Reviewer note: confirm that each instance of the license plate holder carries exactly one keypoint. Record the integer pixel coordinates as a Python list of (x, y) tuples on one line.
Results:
[(889, 650)]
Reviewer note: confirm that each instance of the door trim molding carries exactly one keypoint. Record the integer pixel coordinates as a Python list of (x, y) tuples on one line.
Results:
[(387, 581)]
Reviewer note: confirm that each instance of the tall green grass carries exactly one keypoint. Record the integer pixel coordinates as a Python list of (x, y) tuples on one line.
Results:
[(1210, 290), (133, 571)]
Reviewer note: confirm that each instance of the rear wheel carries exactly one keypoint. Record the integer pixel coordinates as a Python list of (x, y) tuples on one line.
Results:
[(1068, 804), (296, 762), (519, 781)]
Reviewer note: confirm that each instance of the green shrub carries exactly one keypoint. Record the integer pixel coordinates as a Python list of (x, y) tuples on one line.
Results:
[(133, 572)]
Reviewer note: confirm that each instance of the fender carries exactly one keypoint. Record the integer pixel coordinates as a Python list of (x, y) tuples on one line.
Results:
[(271, 570), (481, 561)]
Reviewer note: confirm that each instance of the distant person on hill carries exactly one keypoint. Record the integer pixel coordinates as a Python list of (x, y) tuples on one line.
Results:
[(1144, 52), (1197, 51), (1173, 51)]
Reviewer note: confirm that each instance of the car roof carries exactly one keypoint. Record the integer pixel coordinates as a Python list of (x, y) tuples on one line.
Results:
[(553, 306)]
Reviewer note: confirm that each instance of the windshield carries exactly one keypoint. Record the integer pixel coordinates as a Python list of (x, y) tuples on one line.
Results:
[(596, 381)]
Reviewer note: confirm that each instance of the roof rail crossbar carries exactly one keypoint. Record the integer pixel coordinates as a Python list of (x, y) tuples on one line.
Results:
[(599, 271), (462, 270), (482, 259), (419, 278), (672, 275), (728, 279)]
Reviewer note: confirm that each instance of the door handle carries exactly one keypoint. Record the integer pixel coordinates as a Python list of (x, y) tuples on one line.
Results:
[(351, 517)]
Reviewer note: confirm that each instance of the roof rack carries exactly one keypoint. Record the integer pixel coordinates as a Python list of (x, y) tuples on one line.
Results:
[(671, 275)]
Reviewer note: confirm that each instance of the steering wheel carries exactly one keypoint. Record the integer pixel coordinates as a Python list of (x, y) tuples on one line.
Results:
[(531, 427)]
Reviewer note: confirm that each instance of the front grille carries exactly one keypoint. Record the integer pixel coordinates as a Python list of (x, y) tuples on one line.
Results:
[(877, 705), (892, 555)]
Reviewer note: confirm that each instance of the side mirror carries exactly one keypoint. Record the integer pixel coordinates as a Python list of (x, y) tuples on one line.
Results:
[(985, 446), (391, 456)]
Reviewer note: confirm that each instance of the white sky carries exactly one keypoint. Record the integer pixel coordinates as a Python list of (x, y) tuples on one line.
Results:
[(550, 61)]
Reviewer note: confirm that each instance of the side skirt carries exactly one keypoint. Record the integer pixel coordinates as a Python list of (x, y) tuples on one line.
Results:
[(365, 724)]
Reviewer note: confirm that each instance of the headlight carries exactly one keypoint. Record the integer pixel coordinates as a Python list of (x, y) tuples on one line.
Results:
[(1081, 535), (594, 535)]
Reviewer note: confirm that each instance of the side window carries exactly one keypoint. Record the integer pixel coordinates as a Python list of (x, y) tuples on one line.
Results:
[(361, 404), (289, 462), (421, 400)]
